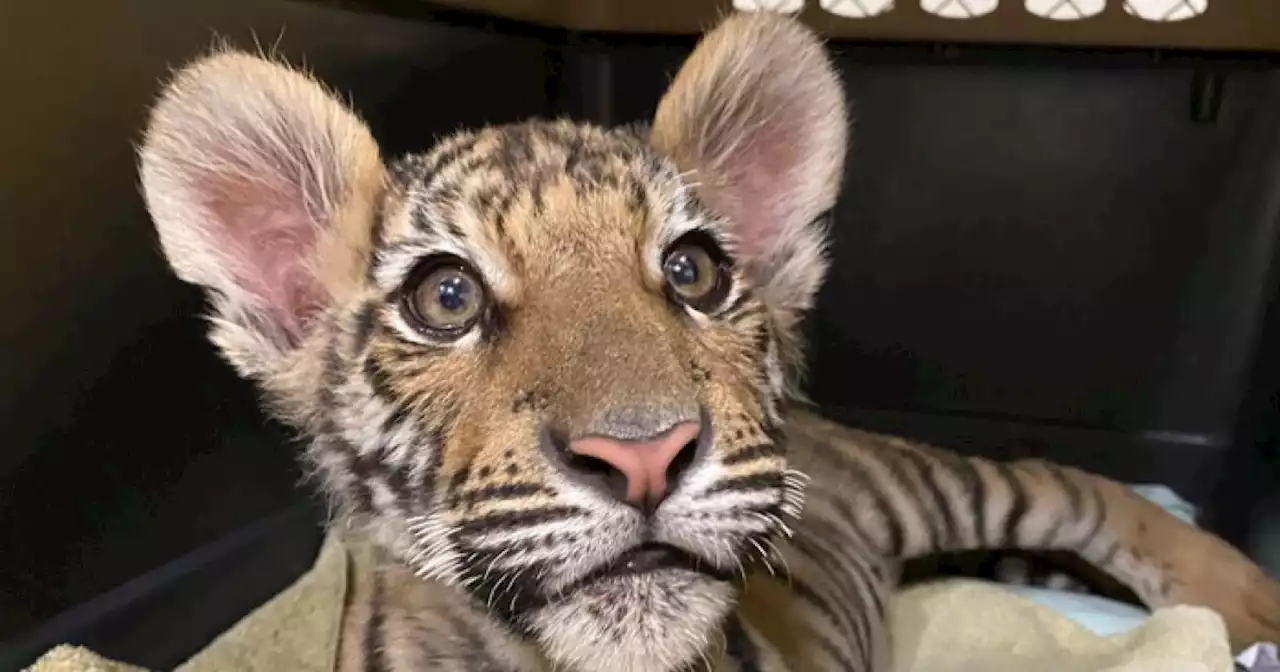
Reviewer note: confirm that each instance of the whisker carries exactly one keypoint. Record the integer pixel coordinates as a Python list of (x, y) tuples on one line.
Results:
[(764, 557), (492, 563)]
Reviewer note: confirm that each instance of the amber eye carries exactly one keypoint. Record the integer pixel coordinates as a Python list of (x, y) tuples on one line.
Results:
[(444, 297), (696, 272)]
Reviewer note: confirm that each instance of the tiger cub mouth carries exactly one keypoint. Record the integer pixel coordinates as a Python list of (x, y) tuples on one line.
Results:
[(651, 557)]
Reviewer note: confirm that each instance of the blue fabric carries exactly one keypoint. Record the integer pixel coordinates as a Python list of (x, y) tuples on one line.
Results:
[(1099, 615)]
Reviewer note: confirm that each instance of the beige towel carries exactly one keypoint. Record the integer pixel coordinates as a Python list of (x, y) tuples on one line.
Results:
[(947, 626), (969, 626)]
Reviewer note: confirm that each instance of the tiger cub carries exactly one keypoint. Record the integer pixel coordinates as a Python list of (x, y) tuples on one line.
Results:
[(549, 371)]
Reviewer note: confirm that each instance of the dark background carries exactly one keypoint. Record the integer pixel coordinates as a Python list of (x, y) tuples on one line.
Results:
[(1040, 251)]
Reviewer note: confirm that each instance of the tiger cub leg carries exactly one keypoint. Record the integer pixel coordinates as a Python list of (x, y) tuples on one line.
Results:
[(821, 599), (394, 621), (921, 501)]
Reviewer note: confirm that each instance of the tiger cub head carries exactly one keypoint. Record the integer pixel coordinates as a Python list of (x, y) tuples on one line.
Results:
[(543, 362)]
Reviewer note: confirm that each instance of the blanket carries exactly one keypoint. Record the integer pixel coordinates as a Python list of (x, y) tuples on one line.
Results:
[(952, 625)]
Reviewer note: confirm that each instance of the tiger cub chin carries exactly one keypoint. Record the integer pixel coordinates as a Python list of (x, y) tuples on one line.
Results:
[(548, 370)]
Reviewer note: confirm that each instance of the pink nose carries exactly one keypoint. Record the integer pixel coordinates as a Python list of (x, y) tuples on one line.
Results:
[(644, 464)]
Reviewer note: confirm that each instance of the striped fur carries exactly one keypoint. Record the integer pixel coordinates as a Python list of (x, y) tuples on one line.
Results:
[(817, 600), (445, 453)]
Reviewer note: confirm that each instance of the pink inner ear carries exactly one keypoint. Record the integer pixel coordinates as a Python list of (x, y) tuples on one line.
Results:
[(760, 173), (269, 238)]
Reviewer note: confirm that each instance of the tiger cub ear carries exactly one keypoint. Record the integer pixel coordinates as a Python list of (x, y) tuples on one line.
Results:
[(261, 185), (757, 112)]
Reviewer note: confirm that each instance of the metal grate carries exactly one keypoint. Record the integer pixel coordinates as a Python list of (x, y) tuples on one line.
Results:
[(1065, 10), (1166, 10), (959, 9), (856, 9)]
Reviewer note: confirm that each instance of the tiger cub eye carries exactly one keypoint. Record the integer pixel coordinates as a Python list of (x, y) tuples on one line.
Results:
[(696, 273), (445, 298)]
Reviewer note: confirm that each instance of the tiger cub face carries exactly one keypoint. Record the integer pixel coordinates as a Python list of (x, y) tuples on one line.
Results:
[(542, 362)]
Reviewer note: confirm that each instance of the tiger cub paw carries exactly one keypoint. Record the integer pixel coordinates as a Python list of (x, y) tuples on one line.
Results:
[(1241, 592), (1256, 617)]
